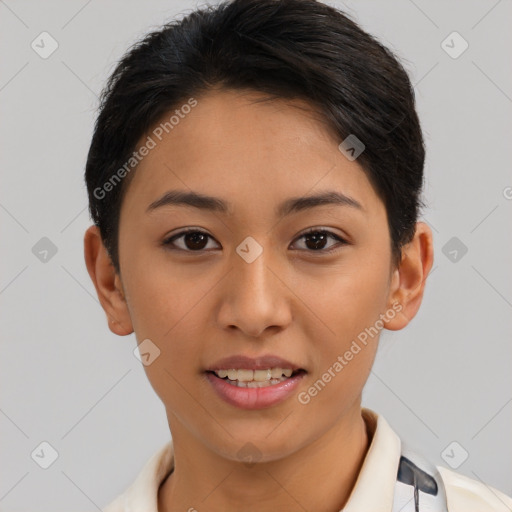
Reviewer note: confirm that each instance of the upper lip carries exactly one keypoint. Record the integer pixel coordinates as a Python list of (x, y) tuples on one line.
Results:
[(241, 362)]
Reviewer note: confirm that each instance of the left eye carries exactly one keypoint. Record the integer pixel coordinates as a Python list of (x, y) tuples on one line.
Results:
[(316, 240), (196, 241)]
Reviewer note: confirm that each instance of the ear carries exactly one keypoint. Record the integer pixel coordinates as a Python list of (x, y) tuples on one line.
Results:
[(409, 279), (107, 282)]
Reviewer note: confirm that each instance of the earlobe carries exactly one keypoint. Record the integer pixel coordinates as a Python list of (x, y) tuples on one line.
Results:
[(107, 283), (409, 279)]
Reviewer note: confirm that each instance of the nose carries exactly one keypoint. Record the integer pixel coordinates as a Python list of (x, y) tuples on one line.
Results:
[(255, 297)]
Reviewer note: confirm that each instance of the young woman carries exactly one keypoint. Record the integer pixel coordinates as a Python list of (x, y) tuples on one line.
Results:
[(254, 180)]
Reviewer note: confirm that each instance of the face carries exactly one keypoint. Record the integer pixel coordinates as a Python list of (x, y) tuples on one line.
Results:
[(249, 280)]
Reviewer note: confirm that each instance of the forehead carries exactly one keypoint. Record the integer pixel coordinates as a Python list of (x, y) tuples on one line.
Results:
[(238, 144)]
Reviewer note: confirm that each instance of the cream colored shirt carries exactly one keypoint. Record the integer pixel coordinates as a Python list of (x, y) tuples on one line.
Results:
[(387, 482)]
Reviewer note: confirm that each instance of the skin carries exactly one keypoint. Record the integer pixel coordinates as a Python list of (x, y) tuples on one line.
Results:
[(304, 305)]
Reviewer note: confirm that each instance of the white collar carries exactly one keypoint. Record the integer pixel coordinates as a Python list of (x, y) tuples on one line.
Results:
[(375, 485)]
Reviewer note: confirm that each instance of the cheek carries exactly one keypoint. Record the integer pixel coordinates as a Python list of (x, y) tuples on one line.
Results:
[(175, 333), (165, 308), (349, 298), (349, 304), (344, 353), (158, 296)]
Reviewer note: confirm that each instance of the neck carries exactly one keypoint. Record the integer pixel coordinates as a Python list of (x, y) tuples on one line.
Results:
[(319, 476)]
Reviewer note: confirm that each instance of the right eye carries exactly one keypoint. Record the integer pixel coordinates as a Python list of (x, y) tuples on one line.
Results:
[(194, 240)]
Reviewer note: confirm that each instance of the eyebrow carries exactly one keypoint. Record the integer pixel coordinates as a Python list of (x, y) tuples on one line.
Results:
[(215, 204)]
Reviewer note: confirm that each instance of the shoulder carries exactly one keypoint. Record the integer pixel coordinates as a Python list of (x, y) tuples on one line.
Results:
[(142, 494), (117, 505), (464, 494)]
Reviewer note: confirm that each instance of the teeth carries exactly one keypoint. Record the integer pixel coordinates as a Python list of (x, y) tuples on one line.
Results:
[(262, 376), (232, 374), (254, 384)]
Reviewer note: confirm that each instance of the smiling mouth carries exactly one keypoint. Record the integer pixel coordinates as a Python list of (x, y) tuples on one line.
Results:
[(256, 378)]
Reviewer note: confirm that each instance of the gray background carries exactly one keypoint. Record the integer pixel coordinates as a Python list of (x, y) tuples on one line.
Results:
[(66, 379)]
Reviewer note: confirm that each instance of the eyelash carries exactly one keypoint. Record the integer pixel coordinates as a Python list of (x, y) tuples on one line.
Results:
[(168, 242)]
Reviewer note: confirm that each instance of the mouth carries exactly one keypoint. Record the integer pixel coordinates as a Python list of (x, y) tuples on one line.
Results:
[(246, 378), (255, 389), (254, 382)]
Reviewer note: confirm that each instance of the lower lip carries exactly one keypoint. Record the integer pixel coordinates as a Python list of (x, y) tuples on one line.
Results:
[(254, 398)]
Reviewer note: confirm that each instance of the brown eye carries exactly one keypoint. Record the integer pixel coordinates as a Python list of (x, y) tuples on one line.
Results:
[(193, 240), (316, 240)]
